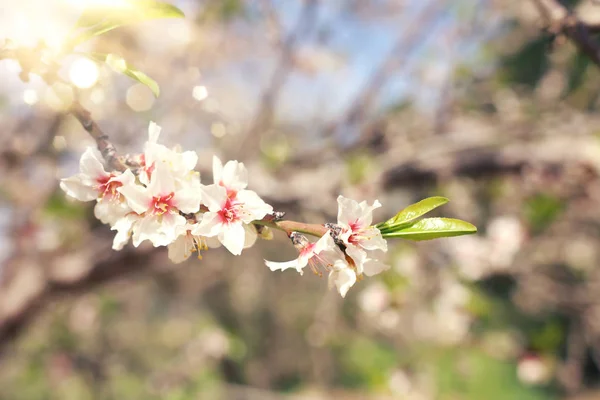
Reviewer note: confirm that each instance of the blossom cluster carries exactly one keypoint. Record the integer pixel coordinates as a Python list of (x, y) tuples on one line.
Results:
[(359, 249), (160, 199)]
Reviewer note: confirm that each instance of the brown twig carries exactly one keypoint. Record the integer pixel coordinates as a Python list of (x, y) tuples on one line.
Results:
[(108, 150)]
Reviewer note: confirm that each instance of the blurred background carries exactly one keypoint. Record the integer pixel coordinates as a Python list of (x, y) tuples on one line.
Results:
[(393, 100)]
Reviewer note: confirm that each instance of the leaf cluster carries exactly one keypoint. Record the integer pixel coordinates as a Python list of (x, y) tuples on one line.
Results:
[(407, 225)]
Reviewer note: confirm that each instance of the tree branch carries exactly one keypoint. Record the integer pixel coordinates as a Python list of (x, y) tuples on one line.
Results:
[(559, 19), (108, 150), (13, 319)]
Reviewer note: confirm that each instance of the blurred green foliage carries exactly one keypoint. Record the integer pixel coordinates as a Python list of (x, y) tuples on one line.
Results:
[(541, 210)]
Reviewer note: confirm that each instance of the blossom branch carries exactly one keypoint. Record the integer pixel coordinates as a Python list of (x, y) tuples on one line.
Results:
[(159, 198)]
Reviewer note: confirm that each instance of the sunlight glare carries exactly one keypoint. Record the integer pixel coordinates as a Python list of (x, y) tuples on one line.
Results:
[(97, 3), (83, 73), (28, 23), (30, 97), (200, 93)]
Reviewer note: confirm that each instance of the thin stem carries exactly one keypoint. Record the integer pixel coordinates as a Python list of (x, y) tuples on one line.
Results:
[(292, 226)]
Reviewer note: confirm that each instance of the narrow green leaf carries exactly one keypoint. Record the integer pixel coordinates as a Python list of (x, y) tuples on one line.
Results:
[(96, 31), (407, 216), (433, 228), (98, 20), (143, 79), (118, 64)]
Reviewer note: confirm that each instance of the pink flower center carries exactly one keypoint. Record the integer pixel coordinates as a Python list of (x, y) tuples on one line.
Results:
[(356, 230), (230, 192), (108, 188), (162, 204), (230, 212), (309, 248)]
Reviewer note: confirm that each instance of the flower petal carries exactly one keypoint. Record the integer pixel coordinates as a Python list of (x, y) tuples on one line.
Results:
[(373, 239), (233, 237), (358, 255), (217, 166), (214, 197), (149, 228), (181, 249), (162, 182), (123, 227), (254, 206), (126, 178), (188, 159), (349, 210), (136, 196), (210, 225), (366, 218), (188, 199), (234, 176), (91, 164), (282, 266), (342, 277), (77, 187), (153, 132), (170, 226), (325, 242), (251, 235), (373, 267), (109, 212)]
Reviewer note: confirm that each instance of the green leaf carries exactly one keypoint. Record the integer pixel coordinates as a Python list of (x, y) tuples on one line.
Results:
[(143, 79), (433, 228), (98, 20), (407, 216), (118, 64)]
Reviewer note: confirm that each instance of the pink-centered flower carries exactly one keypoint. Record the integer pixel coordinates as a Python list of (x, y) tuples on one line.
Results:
[(93, 182), (159, 204), (321, 254), (181, 164), (233, 176), (364, 243), (229, 215)]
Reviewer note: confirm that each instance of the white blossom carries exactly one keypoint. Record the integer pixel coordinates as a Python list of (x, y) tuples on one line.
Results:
[(364, 243), (229, 215), (181, 164), (160, 203), (233, 176), (167, 205), (321, 253), (93, 182), (342, 276), (124, 228)]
